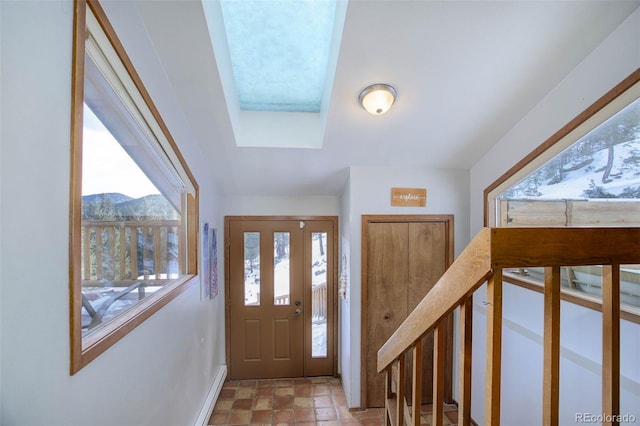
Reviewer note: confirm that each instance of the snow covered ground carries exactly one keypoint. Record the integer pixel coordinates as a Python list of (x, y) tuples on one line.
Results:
[(580, 183)]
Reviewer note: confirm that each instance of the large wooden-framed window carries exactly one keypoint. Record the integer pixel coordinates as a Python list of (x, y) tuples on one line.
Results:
[(586, 174), (134, 201)]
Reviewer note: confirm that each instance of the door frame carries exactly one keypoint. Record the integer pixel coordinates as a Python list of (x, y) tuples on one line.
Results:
[(366, 220), (334, 273)]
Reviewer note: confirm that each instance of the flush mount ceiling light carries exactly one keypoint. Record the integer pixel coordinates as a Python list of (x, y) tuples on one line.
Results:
[(377, 98)]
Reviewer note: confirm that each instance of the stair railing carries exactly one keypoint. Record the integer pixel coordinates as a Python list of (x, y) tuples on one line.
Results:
[(483, 261)]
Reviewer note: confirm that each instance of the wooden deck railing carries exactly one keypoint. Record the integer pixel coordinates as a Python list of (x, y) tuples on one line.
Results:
[(113, 251), (482, 261), (318, 302)]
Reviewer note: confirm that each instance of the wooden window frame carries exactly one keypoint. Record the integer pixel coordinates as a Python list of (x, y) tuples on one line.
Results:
[(627, 312), (83, 351)]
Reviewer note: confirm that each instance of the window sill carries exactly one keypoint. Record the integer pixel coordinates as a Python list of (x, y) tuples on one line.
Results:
[(100, 340)]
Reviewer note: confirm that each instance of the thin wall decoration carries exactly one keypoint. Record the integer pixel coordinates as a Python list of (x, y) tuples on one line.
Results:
[(213, 264), (205, 263)]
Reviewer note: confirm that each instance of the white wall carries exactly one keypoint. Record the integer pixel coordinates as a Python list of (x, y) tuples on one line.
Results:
[(370, 193), (616, 58), (162, 371), (281, 206)]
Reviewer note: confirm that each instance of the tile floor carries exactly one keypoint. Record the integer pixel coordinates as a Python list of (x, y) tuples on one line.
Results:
[(301, 401)]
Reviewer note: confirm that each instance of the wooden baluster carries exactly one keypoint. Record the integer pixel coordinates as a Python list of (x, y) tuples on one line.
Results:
[(494, 348), (400, 386), (439, 355), (551, 378), (146, 231), (86, 257), (314, 303), (99, 251), (466, 329), (167, 258), (388, 377), (133, 246), (157, 251), (611, 342), (416, 394), (122, 273), (324, 300), (111, 253)]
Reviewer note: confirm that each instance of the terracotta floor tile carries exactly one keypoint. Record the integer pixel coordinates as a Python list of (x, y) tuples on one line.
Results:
[(242, 404), (303, 390), (339, 400), (326, 413), (302, 402), (219, 418), (227, 393), (323, 401), (261, 416), (304, 414), (285, 391), (245, 393), (283, 416), (281, 402), (322, 389), (375, 421), (239, 417), (318, 400), (263, 404), (266, 391), (349, 422), (223, 405)]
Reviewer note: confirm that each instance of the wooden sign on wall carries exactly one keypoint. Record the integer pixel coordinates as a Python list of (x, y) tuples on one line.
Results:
[(409, 197)]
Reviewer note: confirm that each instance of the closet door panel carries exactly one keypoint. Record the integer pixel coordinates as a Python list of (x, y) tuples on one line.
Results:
[(387, 296), (427, 261)]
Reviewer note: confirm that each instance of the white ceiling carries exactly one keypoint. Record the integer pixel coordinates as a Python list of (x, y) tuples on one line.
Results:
[(465, 71)]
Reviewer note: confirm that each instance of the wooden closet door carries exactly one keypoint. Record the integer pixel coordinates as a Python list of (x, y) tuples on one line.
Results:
[(403, 257), (387, 296), (427, 261)]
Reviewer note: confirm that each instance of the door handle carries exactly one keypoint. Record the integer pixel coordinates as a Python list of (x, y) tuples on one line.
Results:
[(297, 312)]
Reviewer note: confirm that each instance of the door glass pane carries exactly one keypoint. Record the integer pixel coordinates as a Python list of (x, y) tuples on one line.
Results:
[(281, 284), (319, 294), (251, 268)]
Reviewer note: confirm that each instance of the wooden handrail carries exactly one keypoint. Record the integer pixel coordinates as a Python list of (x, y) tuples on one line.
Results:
[(483, 261), (528, 247)]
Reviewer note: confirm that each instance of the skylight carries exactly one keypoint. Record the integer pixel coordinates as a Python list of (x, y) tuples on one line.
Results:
[(279, 52)]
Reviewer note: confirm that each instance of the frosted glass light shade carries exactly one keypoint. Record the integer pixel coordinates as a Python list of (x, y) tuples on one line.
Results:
[(378, 98)]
